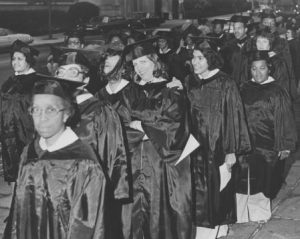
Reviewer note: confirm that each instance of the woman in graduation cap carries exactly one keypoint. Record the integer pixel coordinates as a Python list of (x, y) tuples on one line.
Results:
[(273, 136), (16, 124), (163, 186), (157, 120), (218, 123), (61, 186)]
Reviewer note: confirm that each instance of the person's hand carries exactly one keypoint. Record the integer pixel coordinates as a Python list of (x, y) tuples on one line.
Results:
[(230, 160), (136, 124), (175, 83), (181, 45), (283, 154)]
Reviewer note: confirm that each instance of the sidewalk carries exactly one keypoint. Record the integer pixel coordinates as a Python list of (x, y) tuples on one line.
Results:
[(285, 221)]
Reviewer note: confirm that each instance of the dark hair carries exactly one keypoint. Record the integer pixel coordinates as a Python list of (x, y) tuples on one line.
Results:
[(261, 56), (29, 58), (213, 58), (265, 33), (115, 34)]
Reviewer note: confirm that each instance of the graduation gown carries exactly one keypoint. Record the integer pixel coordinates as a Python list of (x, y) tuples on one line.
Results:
[(272, 129), (123, 101), (235, 55), (16, 124), (99, 125), (281, 47), (161, 205), (282, 75), (177, 66), (59, 195), (294, 46), (218, 123)]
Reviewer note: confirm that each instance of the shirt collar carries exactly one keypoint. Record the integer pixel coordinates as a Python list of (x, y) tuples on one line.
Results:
[(31, 70), (210, 74), (121, 85), (66, 138), (269, 80), (83, 97)]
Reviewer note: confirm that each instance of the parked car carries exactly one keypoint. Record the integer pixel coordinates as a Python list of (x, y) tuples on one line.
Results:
[(100, 24), (147, 19), (7, 37)]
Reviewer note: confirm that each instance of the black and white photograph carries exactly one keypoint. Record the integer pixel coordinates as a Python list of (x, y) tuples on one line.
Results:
[(149, 119)]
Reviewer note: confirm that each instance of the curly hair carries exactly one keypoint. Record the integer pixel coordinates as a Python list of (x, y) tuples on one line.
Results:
[(213, 58), (29, 58)]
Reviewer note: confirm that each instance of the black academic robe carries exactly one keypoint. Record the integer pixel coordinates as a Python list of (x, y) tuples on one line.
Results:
[(161, 201), (122, 102), (282, 75), (99, 125), (294, 46), (281, 47), (161, 205), (272, 129), (220, 39), (59, 195), (16, 129), (235, 55), (218, 123), (179, 65)]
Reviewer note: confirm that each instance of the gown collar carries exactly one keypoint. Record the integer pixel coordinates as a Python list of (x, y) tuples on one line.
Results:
[(83, 97), (66, 138), (210, 74), (121, 85), (30, 71), (269, 80)]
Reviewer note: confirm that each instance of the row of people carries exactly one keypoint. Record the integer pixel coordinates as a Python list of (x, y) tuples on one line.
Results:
[(113, 165)]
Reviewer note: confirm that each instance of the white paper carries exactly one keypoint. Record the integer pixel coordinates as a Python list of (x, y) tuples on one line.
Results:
[(190, 146), (225, 176)]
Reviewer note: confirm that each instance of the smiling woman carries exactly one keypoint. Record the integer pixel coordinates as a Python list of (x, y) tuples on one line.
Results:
[(17, 126)]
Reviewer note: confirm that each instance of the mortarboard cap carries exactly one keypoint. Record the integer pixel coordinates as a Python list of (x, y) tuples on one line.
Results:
[(219, 21), (206, 42), (268, 14), (240, 18), (20, 46), (191, 30), (86, 57), (141, 48), (56, 86)]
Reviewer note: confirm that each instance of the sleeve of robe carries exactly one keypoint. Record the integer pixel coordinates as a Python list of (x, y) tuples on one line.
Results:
[(165, 122), (111, 148), (234, 128), (281, 47), (87, 210), (285, 128)]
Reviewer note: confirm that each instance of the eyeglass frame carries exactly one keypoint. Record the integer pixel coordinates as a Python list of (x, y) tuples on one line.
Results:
[(78, 72), (44, 110)]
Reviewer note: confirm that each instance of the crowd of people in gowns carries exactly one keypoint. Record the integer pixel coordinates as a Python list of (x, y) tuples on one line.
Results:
[(173, 136)]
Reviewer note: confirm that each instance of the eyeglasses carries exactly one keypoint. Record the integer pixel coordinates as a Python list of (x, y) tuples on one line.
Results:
[(50, 112), (70, 42), (68, 72)]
